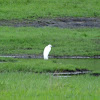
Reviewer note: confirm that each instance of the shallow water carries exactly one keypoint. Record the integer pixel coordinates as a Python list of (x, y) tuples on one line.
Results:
[(71, 73), (56, 57)]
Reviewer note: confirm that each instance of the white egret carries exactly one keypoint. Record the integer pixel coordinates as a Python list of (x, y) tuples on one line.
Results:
[(46, 51)]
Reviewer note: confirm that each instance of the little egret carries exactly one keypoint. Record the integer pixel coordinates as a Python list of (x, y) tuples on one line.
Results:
[(47, 49)]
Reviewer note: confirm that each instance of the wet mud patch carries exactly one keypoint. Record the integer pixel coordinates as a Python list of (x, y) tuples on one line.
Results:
[(71, 72), (54, 22), (95, 74), (25, 56)]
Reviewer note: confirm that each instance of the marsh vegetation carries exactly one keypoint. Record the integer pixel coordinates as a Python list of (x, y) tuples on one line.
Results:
[(28, 79)]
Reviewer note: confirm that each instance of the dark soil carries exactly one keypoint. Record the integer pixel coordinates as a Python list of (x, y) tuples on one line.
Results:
[(95, 74), (54, 22)]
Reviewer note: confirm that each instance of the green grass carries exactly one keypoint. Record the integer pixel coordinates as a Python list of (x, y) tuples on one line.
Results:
[(3, 59), (28, 40), (18, 77), (32, 9), (52, 65), (29, 86), (19, 82)]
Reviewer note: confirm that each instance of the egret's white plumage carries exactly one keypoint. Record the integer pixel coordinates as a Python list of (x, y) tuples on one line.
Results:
[(46, 51)]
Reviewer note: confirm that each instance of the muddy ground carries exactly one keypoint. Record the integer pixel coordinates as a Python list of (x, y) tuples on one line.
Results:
[(26, 56), (54, 22)]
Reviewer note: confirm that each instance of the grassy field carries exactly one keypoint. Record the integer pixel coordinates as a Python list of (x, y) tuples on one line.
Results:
[(32, 9), (52, 65), (18, 80), (32, 79), (28, 40), (29, 86)]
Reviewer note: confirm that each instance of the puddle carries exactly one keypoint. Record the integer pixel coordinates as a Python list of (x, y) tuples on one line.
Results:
[(56, 57), (71, 73), (10, 56), (63, 76)]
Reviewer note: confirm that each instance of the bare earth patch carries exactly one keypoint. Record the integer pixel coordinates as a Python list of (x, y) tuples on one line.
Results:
[(54, 22)]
